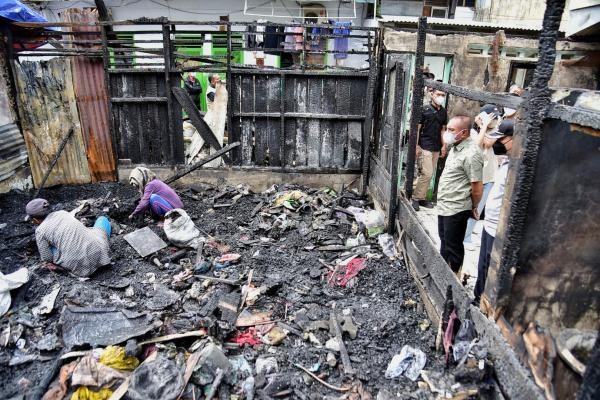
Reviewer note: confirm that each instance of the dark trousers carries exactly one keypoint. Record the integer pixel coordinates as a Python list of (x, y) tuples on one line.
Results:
[(452, 230), (487, 242)]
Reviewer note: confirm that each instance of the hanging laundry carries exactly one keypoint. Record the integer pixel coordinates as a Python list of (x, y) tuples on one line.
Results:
[(293, 39), (273, 39), (340, 43)]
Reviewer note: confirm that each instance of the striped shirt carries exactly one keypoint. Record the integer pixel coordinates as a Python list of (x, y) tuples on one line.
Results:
[(64, 240)]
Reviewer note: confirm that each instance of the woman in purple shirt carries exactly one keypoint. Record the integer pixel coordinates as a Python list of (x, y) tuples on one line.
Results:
[(156, 195)]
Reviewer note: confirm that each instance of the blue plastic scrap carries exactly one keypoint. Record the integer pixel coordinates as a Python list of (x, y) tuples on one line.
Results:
[(16, 11)]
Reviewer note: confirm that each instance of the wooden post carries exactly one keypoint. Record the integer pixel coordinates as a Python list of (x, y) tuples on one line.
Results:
[(166, 31), (416, 107)]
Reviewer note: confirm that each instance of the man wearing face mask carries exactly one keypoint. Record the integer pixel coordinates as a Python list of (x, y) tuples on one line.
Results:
[(501, 142), (429, 144), (459, 190)]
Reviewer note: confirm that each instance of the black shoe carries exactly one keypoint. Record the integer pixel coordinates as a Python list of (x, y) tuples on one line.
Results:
[(426, 204), (415, 204)]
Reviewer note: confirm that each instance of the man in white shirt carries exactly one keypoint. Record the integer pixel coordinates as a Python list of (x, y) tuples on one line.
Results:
[(501, 143)]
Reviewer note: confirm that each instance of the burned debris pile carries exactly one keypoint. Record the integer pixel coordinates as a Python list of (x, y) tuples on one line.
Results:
[(289, 293)]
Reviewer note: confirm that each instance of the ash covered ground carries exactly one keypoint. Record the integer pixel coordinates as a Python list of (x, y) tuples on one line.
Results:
[(379, 314)]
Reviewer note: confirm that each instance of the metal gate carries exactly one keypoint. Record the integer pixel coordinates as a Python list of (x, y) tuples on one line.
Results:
[(383, 174)]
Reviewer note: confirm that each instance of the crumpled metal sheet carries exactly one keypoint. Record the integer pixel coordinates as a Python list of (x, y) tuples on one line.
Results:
[(101, 326)]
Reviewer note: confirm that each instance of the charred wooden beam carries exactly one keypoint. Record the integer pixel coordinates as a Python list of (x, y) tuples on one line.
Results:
[(368, 127), (498, 99), (55, 160), (219, 153), (512, 376), (574, 115), (416, 107), (196, 119), (505, 254), (300, 115)]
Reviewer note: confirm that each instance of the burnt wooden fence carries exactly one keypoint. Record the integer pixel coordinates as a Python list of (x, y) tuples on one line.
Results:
[(141, 119), (385, 157), (305, 115), (299, 120)]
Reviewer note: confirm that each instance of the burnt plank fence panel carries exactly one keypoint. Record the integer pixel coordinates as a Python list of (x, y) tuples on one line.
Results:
[(290, 141), (236, 121), (299, 119), (142, 126), (314, 106), (274, 124), (301, 88), (354, 145), (261, 143), (328, 107), (246, 104)]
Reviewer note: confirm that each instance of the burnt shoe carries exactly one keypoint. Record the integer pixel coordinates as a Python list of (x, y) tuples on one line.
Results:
[(426, 204), (415, 205)]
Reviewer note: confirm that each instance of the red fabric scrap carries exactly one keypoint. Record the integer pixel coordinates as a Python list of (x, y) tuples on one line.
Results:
[(453, 324), (247, 337), (352, 270)]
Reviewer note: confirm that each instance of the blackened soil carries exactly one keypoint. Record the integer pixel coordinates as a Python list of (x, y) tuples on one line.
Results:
[(379, 303)]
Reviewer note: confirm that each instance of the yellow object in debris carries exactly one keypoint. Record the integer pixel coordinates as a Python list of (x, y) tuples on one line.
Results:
[(83, 393), (289, 199), (275, 336), (114, 357), (409, 302)]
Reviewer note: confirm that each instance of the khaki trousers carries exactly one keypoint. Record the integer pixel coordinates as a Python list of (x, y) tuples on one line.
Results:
[(427, 163)]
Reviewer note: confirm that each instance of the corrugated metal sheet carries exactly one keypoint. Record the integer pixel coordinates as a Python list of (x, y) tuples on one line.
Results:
[(461, 23), (91, 96), (13, 153), (48, 109)]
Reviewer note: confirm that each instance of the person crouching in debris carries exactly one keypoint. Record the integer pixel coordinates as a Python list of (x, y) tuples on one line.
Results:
[(64, 241), (157, 196)]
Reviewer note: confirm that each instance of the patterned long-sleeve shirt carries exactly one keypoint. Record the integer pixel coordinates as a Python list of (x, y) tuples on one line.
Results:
[(77, 248), (160, 188)]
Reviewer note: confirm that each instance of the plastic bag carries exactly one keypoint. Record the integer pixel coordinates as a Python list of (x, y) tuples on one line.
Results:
[(386, 241), (114, 357), (373, 220), (409, 363), (83, 393), (180, 229), (9, 282)]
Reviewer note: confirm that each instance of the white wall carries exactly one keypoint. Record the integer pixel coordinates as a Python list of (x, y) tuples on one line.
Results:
[(200, 10)]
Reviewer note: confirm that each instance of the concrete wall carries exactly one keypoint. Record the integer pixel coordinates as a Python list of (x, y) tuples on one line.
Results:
[(257, 179), (529, 13), (470, 71)]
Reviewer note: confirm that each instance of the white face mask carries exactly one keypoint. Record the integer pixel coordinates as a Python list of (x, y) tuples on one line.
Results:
[(509, 112), (439, 100), (449, 138)]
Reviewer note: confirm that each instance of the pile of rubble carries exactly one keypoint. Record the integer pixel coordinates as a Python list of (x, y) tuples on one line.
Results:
[(290, 293)]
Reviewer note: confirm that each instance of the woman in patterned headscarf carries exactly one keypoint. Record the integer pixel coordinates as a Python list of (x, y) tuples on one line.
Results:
[(156, 195)]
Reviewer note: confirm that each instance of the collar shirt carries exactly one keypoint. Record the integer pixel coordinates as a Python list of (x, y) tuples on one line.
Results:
[(64, 240), (463, 167)]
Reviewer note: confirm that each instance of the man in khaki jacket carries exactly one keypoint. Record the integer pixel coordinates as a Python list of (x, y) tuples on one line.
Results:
[(459, 190)]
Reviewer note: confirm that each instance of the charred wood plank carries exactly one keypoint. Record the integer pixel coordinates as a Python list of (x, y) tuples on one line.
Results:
[(499, 99), (220, 153), (196, 119)]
